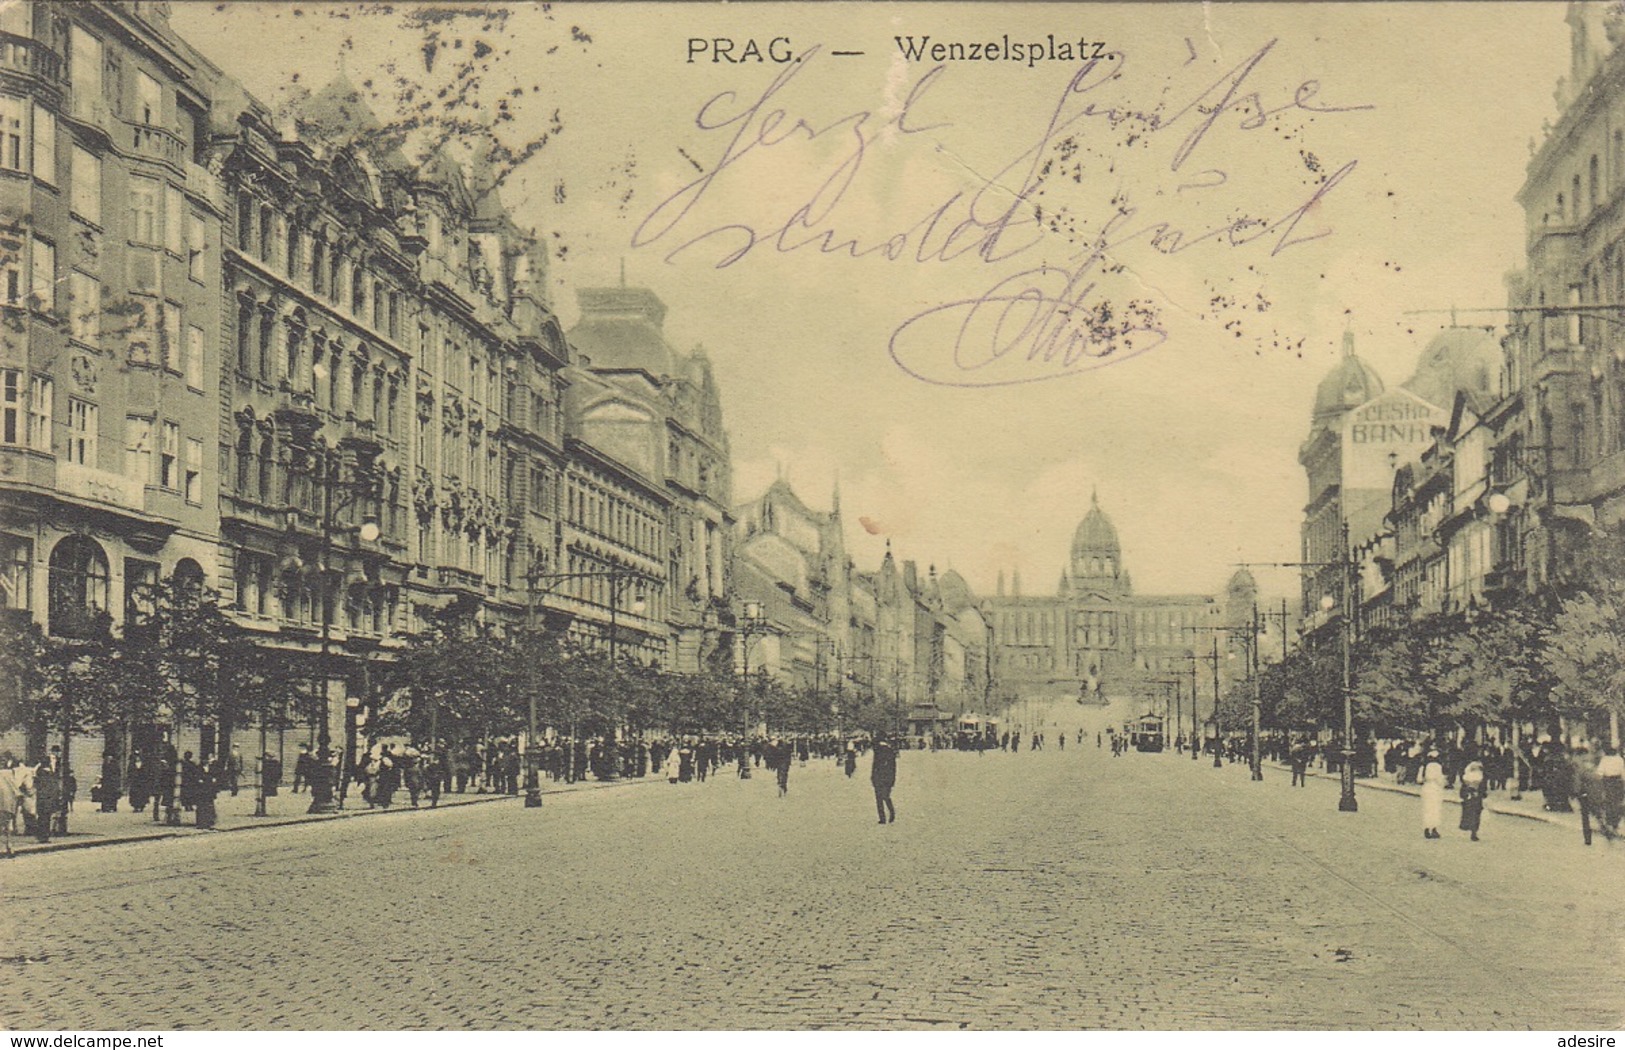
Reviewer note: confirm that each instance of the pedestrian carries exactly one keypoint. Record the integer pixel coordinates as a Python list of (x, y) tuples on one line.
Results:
[(883, 777), (191, 774), (47, 800), (111, 786), (1432, 795), (1611, 775), (1300, 765), (782, 753), (850, 760), (302, 768), (140, 782), (210, 777), (234, 769), (1472, 797)]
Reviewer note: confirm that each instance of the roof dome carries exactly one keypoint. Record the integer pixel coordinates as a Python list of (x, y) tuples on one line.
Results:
[(619, 330), (954, 591), (1096, 533), (1349, 385), (1457, 359)]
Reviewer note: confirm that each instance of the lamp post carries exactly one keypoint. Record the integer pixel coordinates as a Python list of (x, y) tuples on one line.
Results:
[(1347, 572), (752, 624), (619, 577), (326, 470)]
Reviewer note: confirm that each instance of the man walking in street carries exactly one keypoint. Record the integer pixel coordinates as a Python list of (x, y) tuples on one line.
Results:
[(883, 775)]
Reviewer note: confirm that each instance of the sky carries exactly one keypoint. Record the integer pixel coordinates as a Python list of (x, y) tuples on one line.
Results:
[(977, 291)]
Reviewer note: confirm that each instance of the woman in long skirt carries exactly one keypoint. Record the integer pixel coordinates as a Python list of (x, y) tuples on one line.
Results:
[(1432, 796), (1472, 797)]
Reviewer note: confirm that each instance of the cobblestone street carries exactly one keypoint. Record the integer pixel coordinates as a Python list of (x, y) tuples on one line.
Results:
[(1061, 889)]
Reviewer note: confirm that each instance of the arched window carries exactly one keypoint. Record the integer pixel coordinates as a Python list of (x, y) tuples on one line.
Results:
[(78, 587), (245, 459), (267, 337), (267, 245), (318, 266), (267, 465), (295, 362), (245, 335), (246, 210), (188, 583), (1574, 200)]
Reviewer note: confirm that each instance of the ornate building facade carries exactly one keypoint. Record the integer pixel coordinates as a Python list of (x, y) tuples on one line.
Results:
[(109, 282), (1097, 643), (658, 414)]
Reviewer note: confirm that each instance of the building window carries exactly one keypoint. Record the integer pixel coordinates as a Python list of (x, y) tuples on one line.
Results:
[(12, 137), (84, 321), (267, 242), (169, 453), (16, 573), (78, 587), (85, 65), (140, 591), (82, 428), (11, 406), (174, 220), (318, 266), (144, 349), (138, 449), (44, 145), (192, 364), (42, 283), (41, 391), (267, 336), (172, 349), (143, 210), (194, 471), (196, 247), (149, 100)]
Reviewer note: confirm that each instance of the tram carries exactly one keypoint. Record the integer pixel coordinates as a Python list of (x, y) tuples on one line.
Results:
[(1146, 733)]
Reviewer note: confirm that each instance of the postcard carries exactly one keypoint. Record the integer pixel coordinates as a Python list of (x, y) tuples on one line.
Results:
[(785, 516)]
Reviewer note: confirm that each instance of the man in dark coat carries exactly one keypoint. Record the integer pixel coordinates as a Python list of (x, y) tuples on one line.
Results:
[(303, 766), (883, 775), (112, 783), (47, 800)]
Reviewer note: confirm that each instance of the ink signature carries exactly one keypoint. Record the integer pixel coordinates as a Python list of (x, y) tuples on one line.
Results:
[(1044, 321)]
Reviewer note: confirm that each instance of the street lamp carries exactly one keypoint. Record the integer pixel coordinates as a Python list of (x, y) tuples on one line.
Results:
[(324, 465), (620, 578)]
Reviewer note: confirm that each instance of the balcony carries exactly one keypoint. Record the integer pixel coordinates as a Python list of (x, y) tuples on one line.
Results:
[(19, 54), (463, 578), (159, 144), (296, 409), (90, 109), (206, 185)]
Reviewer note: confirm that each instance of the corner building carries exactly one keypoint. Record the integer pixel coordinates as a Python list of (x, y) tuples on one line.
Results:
[(110, 227)]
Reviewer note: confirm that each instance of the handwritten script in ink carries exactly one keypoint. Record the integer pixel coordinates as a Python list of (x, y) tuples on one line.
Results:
[(1056, 297)]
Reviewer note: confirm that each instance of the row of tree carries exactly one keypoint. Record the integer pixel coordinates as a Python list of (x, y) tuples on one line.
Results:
[(1546, 658), (182, 661)]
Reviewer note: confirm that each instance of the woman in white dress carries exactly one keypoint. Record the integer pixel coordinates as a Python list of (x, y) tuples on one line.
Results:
[(1432, 795)]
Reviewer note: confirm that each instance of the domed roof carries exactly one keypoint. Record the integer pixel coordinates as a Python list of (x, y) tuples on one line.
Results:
[(1095, 533), (1457, 359), (619, 330), (1349, 385), (1241, 584), (955, 592)]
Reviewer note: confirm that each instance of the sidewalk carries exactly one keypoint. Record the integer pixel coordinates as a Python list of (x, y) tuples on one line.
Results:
[(1529, 807), (88, 826)]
